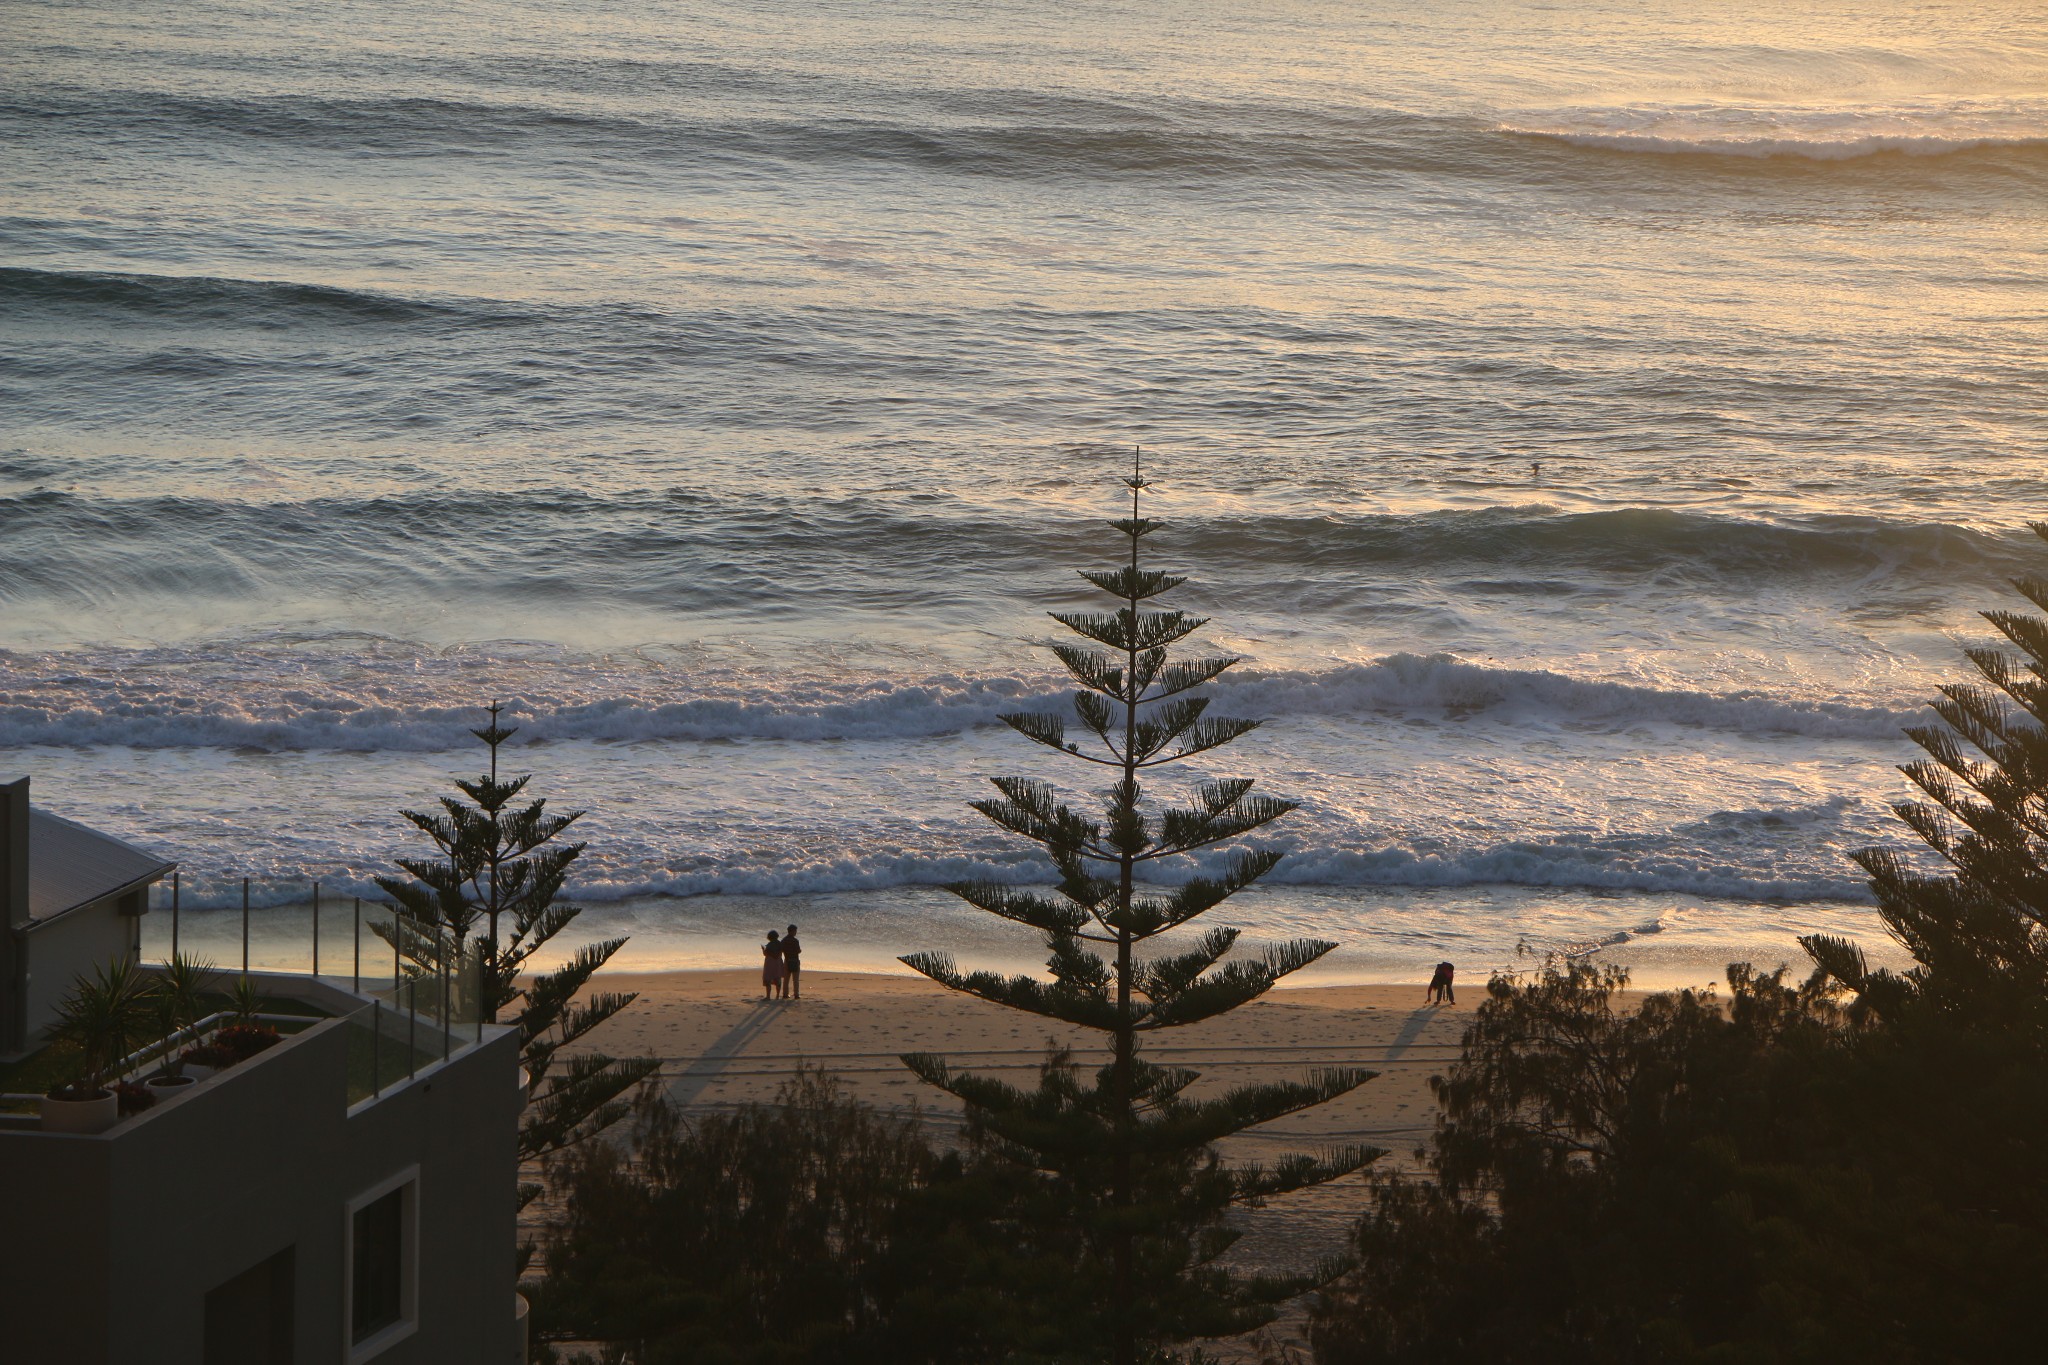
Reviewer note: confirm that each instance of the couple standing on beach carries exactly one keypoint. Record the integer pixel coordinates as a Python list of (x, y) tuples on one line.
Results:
[(781, 962)]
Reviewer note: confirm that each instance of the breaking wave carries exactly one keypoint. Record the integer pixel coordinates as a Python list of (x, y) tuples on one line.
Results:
[(1655, 863), (160, 700)]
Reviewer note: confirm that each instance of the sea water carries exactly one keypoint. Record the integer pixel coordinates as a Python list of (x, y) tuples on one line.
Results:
[(1595, 426)]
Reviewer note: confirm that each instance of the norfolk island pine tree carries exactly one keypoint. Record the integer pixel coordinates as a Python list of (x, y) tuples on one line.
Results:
[(1137, 706), (1978, 932), (491, 898)]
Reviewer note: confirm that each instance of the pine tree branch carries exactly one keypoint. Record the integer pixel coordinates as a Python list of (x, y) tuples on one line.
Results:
[(1084, 1009), (1165, 978), (1024, 907), (1193, 1124), (1234, 984), (1257, 1182), (1127, 630), (1133, 585), (1189, 673)]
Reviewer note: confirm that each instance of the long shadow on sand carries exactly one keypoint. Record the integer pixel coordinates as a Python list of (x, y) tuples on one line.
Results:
[(1411, 1030), (692, 1079)]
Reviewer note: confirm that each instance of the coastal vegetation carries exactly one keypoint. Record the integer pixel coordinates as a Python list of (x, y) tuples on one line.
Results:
[(102, 1019), (796, 1231)]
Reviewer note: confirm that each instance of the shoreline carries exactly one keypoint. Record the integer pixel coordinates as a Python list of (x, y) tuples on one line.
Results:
[(1385, 936)]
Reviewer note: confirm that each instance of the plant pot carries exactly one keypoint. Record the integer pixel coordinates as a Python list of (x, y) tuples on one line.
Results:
[(95, 1115), (206, 1061), (243, 1041), (168, 1086)]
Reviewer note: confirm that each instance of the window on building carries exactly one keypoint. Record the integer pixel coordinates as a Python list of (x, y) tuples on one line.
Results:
[(382, 1260)]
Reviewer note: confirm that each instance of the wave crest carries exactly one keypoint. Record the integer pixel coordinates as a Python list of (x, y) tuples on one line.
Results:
[(367, 704), (1665, 863), (1845, 148), (189, 299)]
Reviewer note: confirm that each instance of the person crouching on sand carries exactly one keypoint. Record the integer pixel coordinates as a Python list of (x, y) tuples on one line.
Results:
[(1439, 992), (792, 966), (771, 966)]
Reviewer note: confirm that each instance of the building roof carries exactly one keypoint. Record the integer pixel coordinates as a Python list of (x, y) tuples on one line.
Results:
[(70, 865)]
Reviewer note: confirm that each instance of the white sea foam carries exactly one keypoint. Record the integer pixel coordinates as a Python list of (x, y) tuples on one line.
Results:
[(365, 705), (1670, 863)]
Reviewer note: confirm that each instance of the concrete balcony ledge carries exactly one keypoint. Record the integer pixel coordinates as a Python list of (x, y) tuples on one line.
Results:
[(383, 1051)]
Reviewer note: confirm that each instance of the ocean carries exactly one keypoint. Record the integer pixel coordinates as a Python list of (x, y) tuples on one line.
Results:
[(1596, 426)]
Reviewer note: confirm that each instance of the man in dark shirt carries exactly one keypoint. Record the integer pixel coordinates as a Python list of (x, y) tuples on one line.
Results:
[(1440, 992), (792, 953)]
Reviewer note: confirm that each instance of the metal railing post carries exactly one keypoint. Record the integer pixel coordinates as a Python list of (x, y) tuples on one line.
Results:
[(376, 1047), (412, 1028), (245, 928), (316, 928), (174, 916), (445, 1044), (355, 980)]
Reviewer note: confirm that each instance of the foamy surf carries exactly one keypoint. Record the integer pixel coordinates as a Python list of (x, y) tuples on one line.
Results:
[(210, 699)]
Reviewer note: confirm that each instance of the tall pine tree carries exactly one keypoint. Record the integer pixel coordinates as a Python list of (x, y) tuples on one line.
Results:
[(489, 903), (1130, 1156)]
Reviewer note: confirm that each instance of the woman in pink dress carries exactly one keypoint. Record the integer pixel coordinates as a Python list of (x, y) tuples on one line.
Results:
[(771, 965)]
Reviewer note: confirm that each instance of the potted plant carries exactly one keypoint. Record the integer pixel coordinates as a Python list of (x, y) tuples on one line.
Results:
[(247, 1035), (181, 990), (102, 1018)]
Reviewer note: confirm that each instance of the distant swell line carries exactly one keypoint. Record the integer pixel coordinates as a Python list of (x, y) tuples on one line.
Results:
[(188, 299), (1027, 139), (57, 543), (1847, 148)]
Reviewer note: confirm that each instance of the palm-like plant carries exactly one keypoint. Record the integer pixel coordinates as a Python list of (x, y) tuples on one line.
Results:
[(104, 1017), (247, 1003), (181, 990)]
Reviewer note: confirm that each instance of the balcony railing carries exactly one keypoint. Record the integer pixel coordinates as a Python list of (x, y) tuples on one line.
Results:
[(396, 1031)]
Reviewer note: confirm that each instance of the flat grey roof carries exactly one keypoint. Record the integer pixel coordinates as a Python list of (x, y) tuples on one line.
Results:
[(70, 865)]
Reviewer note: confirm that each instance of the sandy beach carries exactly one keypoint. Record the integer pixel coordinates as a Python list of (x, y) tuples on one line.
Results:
[(721, 1046)]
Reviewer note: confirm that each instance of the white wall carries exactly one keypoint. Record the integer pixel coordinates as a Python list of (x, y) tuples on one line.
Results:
[(63, 949)]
